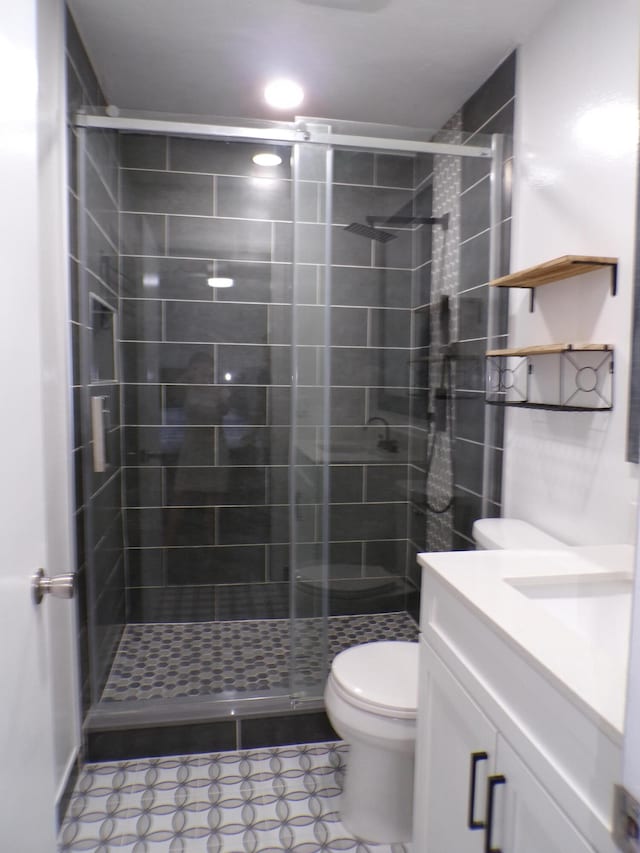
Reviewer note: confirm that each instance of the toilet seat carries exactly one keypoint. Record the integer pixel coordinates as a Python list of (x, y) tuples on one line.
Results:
[(379, 677)]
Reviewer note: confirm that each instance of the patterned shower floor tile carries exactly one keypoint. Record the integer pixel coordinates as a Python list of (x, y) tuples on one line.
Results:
[(258, 801), (169, 660)]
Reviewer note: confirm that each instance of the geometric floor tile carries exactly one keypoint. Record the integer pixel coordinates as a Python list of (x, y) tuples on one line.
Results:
[(169, 660), (257, 801)]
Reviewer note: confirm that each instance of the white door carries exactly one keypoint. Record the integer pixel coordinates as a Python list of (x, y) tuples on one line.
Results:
[(526, 820), (29, 763), (455, 744)]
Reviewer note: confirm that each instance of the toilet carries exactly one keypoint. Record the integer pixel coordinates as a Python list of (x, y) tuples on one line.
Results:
[(492, 534), (371, 700)]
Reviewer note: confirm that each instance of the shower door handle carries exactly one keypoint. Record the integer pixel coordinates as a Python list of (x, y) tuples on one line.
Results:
[(59, 586)]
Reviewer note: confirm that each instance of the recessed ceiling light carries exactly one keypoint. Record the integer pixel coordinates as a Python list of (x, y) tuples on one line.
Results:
[(266, 159), (283, 94), (220, 282)]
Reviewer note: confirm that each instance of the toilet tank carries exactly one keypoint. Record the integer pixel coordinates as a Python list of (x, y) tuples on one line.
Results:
[(501, 533)]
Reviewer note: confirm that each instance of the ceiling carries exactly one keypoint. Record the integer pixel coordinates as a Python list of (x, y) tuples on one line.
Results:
[(406, 62)]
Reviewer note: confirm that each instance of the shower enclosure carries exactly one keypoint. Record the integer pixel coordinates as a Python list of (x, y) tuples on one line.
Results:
[(266, 393)]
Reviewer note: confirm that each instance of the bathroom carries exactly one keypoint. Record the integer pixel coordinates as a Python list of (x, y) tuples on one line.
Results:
[(566, 473)]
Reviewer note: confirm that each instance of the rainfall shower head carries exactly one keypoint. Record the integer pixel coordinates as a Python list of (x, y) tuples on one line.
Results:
[(369, 232)]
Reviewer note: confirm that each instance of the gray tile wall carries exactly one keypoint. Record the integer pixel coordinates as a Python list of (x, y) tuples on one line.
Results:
[(466, 274), (207, 373), (93, 268)]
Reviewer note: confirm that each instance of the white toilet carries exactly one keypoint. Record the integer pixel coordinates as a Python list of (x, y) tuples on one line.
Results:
[(371, 699), (492, 534)]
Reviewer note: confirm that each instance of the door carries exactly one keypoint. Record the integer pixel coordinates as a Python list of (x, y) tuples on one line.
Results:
[(526, 818), (28, 769), (455, 743)]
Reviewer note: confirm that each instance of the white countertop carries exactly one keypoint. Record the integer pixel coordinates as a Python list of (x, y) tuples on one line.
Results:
[(580, 641)]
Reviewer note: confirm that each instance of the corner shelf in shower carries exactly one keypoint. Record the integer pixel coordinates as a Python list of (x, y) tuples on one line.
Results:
[(579, 379), (558, 269)]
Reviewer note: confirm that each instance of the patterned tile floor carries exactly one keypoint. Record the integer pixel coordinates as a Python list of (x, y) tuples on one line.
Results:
[(168, 660), (259, 801)]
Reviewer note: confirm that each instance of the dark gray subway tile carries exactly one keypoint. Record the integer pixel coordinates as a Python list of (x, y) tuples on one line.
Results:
[(347, 406), (468, 464), (167, 362), (216, 565), (143, 151), (256, 282), (394, 170), (348, 325), (215, 405), (142, 404), (225, 158), (467, 508), (142, 234), (173, 604), (423, 168), (264, 365), (143, 487), (255, 198), (470, 365), (470, 413), (474, 262), (352, 167), (390, 328), (100, 203), (252, 601), (145, 567), (229, 239), (374, 287), (493, 94), (170, 527), (215, 322), (472, 313), (216, 486), (475, 210), (383, 556), (162, 445), (356, 203), (166, 192), (166, 278), (100, 256), (381, 367), (252, 525), (348, 248), (386, 483), (368, 521), (396, 253), (421, 285), (140, 320), (423, 244)]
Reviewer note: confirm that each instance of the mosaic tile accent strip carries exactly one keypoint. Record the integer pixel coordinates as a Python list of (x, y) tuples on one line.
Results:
[(259, 801), (169, 660)]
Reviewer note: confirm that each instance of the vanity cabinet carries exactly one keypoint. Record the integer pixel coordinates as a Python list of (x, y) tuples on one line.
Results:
[(463, 764)]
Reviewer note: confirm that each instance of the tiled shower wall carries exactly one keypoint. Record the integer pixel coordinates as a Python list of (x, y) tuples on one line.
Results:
[(459, 267), (207, 374), (93, 266)]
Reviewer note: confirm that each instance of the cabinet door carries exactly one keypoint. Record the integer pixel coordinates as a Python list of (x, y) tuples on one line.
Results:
[(450, 728), (526, 819)]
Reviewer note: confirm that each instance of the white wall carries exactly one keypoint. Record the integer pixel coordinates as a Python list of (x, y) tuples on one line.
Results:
[(574, 193)]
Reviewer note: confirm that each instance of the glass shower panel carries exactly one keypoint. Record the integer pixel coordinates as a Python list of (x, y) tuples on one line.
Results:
[(310, 421)]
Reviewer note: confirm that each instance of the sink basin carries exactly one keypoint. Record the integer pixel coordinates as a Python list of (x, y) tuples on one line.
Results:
[(596, 606)]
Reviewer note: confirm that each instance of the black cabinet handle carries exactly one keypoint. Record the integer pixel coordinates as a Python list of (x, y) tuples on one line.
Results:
[(494, 781), (476, 757)]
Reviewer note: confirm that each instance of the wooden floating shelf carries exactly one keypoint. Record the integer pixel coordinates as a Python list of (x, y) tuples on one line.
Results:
[(565, 267), (548, 349)]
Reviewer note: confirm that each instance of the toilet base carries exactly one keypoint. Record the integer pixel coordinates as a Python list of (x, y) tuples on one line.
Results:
[(377, 799)]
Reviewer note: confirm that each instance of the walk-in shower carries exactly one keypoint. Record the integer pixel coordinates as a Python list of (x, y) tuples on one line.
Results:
[(249, 520)]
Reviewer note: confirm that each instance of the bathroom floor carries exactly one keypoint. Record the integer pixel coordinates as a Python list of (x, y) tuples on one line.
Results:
[(259, 801), (168, 660)]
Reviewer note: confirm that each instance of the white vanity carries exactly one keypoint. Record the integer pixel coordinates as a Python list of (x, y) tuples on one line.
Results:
[(523, 659)]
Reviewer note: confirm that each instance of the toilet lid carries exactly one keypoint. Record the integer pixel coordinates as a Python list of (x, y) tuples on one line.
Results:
[(381, 675)]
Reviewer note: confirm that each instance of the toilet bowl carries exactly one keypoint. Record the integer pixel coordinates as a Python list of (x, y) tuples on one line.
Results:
[(371, 699), (492, 534)]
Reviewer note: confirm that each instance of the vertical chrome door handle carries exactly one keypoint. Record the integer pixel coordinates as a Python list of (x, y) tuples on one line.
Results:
[(60, 586)]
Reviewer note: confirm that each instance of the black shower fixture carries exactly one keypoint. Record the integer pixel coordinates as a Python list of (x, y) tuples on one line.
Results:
[(372, 232)]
